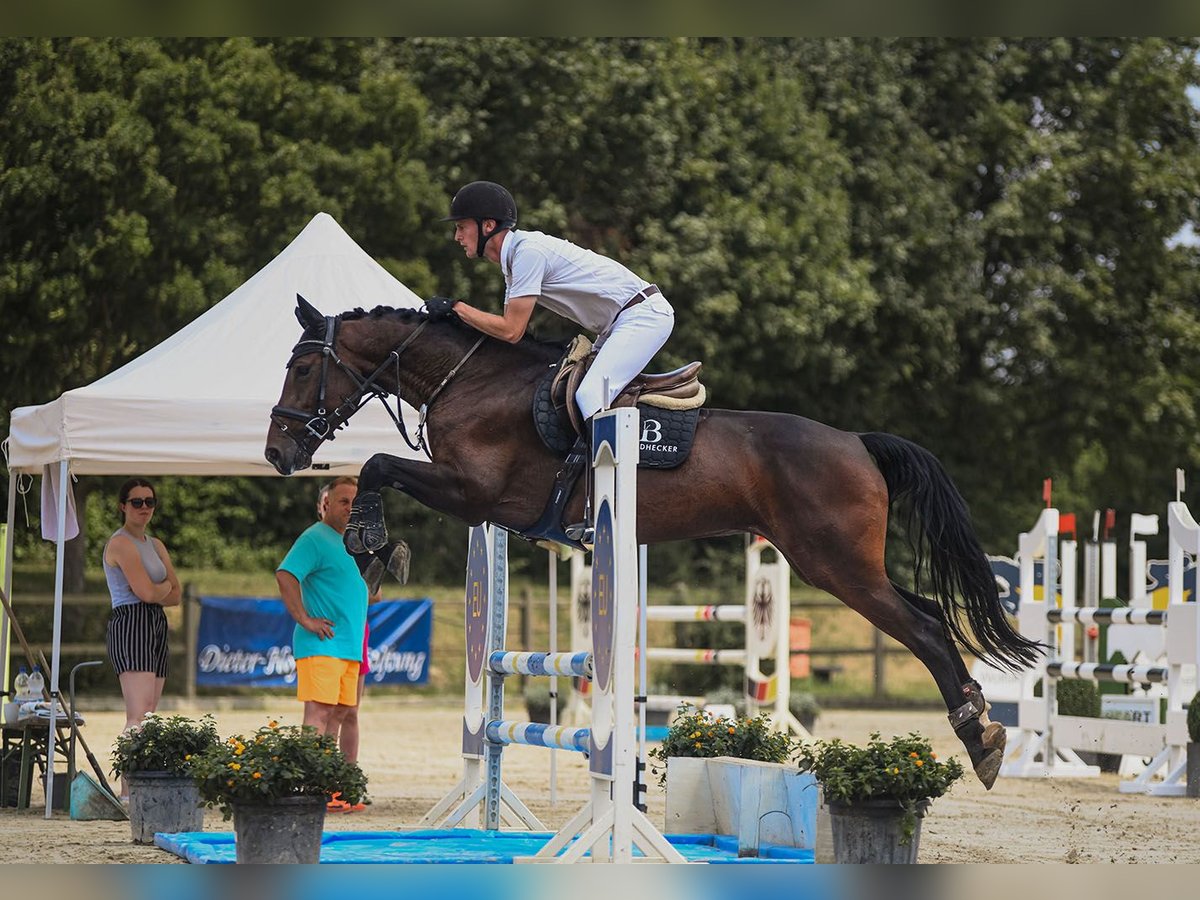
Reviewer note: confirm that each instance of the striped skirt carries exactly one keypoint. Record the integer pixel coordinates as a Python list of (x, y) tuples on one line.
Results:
[(137, 639)]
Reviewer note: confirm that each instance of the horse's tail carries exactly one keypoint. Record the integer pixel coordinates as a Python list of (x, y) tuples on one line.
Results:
[(945, 545)]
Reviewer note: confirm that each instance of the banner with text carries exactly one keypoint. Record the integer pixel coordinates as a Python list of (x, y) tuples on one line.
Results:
[(247, 642)]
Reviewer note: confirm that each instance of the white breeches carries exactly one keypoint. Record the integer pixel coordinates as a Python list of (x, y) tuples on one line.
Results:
[(626, 348)]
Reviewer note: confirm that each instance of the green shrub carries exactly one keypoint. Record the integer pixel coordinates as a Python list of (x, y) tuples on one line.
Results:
[(1078, 698), (699, 734), (904, 769), (1193, 719), (276, 762), (162, 744), (537, 698)]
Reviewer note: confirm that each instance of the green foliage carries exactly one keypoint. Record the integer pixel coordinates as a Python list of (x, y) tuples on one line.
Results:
[(802, 705), (904, 769), (1193, 719), (1078, 698), (537, 699), (276, 762), (935, 237), (696, 733), (161, 744)]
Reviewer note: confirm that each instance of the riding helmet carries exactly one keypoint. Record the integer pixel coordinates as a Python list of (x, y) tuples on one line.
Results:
[(484, 200)]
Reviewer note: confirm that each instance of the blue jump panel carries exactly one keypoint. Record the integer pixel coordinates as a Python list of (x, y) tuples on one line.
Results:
[(459, 845)]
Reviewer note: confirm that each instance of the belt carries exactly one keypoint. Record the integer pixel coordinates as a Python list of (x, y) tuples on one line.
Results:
[(644, 294)]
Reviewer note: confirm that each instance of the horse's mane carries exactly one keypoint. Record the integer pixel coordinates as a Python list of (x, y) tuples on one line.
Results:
[(408, 315)]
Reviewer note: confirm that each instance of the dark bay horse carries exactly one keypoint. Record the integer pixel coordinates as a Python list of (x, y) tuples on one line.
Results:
[(820, 495)]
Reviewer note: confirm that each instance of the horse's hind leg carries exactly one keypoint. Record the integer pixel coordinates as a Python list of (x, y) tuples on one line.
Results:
[(917, 623)]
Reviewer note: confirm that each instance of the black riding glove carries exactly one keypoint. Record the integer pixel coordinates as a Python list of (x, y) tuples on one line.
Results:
[(440, 307)]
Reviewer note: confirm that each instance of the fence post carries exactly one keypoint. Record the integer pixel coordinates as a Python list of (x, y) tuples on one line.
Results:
[(191, 633)]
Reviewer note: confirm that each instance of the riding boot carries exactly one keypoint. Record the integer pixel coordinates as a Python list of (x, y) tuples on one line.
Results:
[(550, 525), (366, 531)]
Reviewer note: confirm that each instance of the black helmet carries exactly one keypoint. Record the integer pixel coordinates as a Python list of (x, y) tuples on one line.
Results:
[(484, 200), (481, 200)]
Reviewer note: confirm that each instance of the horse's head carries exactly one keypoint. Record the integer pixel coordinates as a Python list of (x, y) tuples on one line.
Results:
[(320, 392)]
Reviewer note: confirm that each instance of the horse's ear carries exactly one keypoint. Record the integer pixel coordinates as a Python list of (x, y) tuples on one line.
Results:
[(307, 314)]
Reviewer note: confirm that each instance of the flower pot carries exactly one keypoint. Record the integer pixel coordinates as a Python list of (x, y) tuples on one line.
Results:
[(287, 830), (871, 831), (162, 802), (1193, 769)]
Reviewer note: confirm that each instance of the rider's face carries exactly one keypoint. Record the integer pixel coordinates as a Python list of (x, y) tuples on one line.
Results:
[(466, 235)]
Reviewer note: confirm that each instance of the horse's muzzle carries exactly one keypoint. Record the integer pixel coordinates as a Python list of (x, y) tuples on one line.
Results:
[(287, 463)]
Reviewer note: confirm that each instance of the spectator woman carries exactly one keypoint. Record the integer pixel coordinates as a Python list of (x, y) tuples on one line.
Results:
[(141, 581)]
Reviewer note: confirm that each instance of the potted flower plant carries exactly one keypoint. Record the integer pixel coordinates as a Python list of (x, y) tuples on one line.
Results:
[(1193, 747), (878, 794), (155, 758), (275, 784), (730, 776)]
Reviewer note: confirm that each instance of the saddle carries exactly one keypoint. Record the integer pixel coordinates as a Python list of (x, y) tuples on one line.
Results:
[(679, 389)]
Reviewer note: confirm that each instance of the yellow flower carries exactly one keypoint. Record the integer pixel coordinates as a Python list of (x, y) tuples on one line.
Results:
[(256, 775), (895, 771), (186, 758), (327, 752), (229, 783), (731, 731), (920, 762), (239, 751), (274, 759), (697, 743), (274, 724), (914, 755), (235, 766)]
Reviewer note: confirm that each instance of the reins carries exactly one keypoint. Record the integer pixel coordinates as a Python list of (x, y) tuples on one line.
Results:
[(323, 426)]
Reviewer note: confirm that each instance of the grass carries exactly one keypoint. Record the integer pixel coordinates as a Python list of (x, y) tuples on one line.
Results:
[(906, 680)]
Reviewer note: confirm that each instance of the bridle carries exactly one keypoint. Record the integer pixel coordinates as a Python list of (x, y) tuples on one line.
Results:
[(320, 425)]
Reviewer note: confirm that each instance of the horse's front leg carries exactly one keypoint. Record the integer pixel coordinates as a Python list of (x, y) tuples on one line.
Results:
[(437, 486)]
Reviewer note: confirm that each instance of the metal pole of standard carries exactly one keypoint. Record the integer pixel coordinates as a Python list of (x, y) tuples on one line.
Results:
[(553, 586), (610, 826), (486, 593), (639, 784)]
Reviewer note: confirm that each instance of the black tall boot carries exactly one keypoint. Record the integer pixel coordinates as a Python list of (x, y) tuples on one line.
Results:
[(550, 525)]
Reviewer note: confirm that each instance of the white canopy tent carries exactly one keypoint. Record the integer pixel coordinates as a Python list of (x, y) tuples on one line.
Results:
[(199, 403)]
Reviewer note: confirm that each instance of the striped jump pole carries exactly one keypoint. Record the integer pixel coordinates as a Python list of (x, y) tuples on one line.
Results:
[(510, 662), (533, 734), (1124, 674), (723, 612), (1121, 615), (735, 657)]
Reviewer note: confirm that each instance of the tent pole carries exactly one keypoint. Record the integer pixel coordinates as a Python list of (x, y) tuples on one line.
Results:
[(6, 569), (64, 485)]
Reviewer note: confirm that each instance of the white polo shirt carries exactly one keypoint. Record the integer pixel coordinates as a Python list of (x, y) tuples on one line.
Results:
[(580, 285)]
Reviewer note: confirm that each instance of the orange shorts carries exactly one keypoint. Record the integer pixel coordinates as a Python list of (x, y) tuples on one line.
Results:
[(327, 679)]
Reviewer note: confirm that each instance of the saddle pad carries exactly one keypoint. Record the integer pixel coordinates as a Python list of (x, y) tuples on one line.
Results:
[(665, 441)]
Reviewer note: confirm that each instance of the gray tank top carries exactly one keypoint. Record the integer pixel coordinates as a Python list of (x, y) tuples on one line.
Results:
[(118, 584)]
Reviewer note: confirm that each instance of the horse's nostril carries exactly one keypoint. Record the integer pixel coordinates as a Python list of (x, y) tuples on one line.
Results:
[(273, 455)]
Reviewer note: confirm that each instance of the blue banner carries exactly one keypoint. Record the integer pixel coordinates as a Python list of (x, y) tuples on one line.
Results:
[(247, 642)]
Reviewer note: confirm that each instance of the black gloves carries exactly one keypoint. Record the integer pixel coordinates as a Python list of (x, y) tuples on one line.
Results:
[(439, 307)]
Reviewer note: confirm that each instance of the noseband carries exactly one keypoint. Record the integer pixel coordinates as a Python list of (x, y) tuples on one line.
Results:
[(320, 425)]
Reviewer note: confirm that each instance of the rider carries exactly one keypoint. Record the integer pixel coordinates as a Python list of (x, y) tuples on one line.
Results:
[(631, 316)]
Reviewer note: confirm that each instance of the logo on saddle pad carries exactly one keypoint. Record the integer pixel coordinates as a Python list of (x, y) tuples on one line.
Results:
[(665, 440)]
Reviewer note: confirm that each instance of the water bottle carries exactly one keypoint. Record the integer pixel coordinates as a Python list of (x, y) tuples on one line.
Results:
[(36, 684), (21, 686)]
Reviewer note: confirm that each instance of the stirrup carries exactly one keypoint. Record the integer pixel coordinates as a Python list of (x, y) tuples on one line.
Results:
[(582, 533)]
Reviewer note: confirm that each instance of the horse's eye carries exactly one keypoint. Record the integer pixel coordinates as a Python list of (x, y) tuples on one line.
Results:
[(303, 370)]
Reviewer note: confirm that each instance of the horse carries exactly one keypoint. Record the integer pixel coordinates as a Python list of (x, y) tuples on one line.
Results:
[(821, 496)]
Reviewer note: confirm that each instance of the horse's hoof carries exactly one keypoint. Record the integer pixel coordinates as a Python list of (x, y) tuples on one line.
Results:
[(989, 767), (994, 737), (398, 561), (352, 540), (373, 575)]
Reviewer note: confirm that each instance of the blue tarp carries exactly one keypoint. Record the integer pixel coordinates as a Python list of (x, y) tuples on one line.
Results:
[(460, 845)]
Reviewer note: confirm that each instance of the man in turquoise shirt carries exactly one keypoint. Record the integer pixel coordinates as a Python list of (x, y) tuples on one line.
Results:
[(323, 591)]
